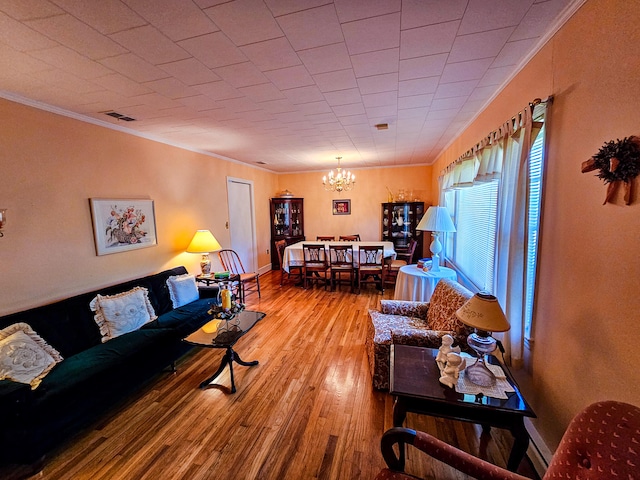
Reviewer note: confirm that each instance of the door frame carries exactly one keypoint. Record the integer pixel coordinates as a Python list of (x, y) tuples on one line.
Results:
[(252, 207)]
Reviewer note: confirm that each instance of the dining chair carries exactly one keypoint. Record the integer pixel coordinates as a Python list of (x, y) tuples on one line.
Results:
[(371, 266), (325, 238), (403, 257), (316, 266), (350, 238), (341, 261), (231, 262), (295, 270)]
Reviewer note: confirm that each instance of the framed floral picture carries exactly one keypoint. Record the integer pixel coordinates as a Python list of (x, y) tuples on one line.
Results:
[(120, 225), (342, 207)]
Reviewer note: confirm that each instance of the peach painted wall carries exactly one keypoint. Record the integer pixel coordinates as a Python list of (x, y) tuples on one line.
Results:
[(50, 165), (366, 198), (588, 297)]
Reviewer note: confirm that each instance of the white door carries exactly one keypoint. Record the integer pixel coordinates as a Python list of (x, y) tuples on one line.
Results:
[(242, 229)]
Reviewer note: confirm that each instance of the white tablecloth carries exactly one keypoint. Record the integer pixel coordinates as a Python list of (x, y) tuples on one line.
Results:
[(414, 284), (294, 256)]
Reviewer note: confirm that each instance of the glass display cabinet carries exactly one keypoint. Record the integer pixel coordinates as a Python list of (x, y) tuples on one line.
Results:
[(399, 222), (287, 223)]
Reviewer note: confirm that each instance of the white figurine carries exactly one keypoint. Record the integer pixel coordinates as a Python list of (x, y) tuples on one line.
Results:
[(444, 350), (451, 371)]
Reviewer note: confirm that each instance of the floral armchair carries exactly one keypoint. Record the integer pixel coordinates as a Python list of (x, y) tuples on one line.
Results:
[(419, 324)]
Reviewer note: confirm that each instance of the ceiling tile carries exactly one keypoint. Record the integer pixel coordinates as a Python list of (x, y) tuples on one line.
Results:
[(538, 19), (272, 54), (326, 59), (372, 34), (343, 97), (380, 99), (190, 71), (413, 112), (74, 34), (448, 103), (417, 86), (122, 85), (456, 89), (291, 77), (430, 66), (27, 10), (311, 28), (20, 37), (339, 80), (134, 67), (348, 10), (172, 88), (415, 101), (479, 45), (471, 70), (315, 107), (245, 21), (378, 83), (218, 90), (481, 15), (156, 100), (304, 95), (374, 112), (262, 93), (428, 40), (513, 52), (278, 106), (353, 109), (241, 75), (375, 63), (106, 16), (148, 43), (495, 76), (73, 62), (177, 20), (417, 13), (238, 105), (283, 7), (322, 118), (214, 50)]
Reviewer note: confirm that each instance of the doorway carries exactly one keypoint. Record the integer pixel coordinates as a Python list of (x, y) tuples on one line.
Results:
[(242, 230)]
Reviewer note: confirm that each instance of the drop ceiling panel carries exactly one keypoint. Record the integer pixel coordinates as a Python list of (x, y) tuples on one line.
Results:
[(291, 82)]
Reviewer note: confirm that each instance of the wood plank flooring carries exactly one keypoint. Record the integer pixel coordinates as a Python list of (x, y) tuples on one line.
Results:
[(307, 411)]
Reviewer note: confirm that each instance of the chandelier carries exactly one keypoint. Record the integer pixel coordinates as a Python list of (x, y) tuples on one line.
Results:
[(337, 182)]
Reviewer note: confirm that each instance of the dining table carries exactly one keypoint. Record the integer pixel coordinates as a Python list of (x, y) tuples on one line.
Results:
[(294, 256)]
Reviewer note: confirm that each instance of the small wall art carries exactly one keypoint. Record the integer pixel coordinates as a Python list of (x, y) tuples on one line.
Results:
[(342, 207), (120, 225)]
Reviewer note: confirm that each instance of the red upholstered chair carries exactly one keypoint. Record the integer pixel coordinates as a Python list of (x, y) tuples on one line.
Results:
[(601, 442)]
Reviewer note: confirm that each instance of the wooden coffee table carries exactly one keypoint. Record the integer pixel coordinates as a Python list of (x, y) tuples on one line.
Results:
[(414, 383), (224, 334)]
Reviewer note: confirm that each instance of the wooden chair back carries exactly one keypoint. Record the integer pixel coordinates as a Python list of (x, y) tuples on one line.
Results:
[(325, 238), (350, 238)]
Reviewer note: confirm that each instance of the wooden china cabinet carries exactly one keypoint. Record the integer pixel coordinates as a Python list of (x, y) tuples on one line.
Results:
[(399, 222), (287, 223)]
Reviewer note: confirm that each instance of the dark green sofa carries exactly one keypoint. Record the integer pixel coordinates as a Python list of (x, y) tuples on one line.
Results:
[(93, 376)]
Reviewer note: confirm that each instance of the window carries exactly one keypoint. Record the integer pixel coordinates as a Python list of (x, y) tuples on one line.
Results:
[(533, 224), (472, 247)]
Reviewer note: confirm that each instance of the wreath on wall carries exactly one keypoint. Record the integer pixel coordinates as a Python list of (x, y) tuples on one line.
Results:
[(618, 162)]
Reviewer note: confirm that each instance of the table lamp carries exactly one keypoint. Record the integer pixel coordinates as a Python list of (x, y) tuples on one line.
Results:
[(436, 220), (204, 242), (483, 313)]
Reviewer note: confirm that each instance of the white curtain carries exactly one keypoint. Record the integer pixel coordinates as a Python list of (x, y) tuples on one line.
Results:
[(504, 154)]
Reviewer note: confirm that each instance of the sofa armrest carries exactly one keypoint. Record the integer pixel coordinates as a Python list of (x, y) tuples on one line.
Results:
[(405, 307)]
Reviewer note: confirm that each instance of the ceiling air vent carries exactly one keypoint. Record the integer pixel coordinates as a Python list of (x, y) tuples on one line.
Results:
[(119, 116), (382, 126), (261, 163)]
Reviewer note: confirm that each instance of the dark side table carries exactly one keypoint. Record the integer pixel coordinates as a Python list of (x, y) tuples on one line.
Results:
[(414, 382), (208, 286)]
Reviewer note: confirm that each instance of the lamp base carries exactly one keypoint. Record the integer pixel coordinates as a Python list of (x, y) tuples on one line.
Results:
[(482, 343), (436, 248), (205, 265)]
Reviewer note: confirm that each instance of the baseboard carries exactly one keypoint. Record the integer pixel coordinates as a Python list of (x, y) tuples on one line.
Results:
[(538, 452), (264, 269)]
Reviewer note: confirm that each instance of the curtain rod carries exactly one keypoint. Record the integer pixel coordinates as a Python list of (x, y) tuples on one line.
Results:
[(472, 150)]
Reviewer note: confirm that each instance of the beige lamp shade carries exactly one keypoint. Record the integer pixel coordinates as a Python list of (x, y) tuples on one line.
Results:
[(203, 242), (483, 312), (437, 219)]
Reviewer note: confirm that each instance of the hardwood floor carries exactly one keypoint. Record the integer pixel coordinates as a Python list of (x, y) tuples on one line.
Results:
[(307, 411)]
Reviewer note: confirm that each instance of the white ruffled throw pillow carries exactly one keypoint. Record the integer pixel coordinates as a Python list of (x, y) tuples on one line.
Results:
[(25, 357), (122, 313), (182, 289)]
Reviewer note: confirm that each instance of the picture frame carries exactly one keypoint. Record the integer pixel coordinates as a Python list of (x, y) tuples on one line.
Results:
[(342, 207), (122, 224)]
